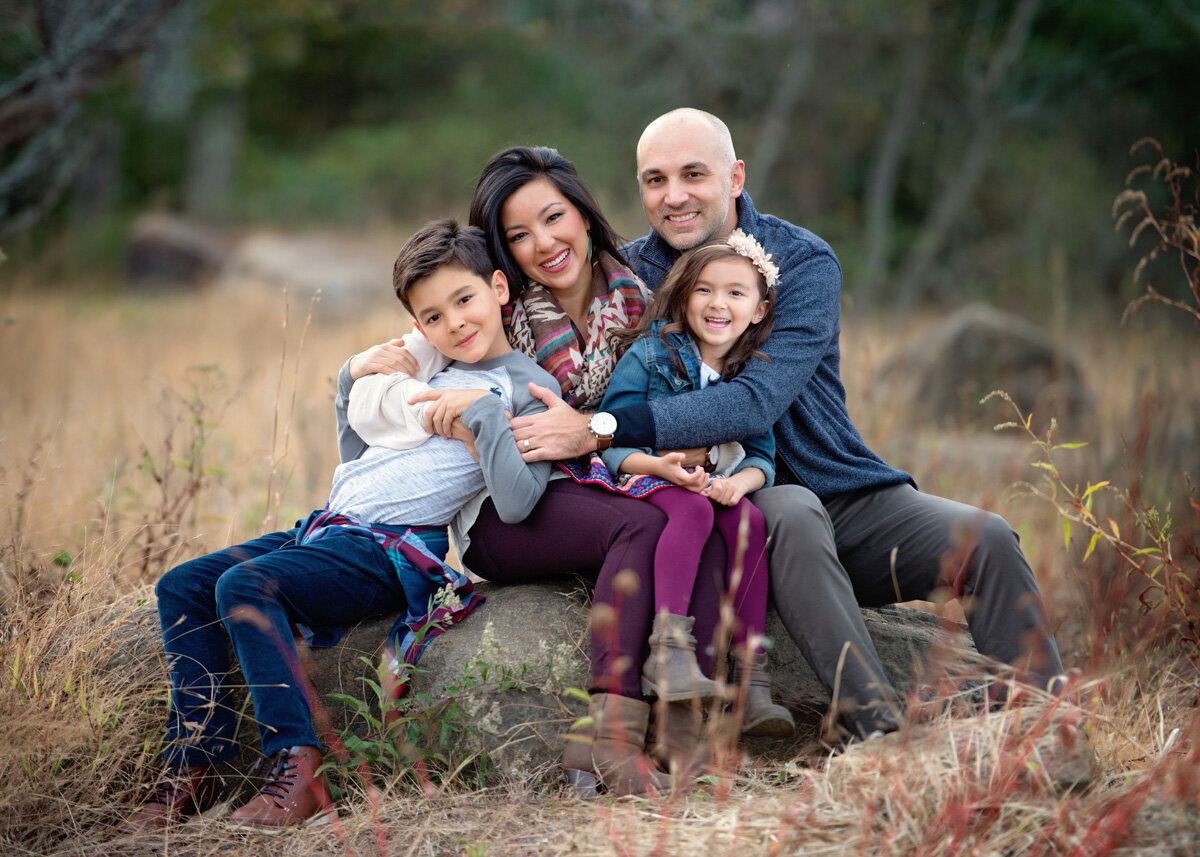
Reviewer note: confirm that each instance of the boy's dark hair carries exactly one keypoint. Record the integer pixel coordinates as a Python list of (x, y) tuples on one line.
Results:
[(436, 245), (670, 305)]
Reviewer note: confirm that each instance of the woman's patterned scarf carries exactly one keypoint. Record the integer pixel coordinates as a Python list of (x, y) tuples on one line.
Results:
[(538, 326)]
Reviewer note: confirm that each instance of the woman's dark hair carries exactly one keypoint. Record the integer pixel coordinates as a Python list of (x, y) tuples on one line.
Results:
[(509, 171), (670, 305)]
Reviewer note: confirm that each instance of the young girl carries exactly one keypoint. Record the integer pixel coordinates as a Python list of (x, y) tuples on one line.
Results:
[(707, 320)]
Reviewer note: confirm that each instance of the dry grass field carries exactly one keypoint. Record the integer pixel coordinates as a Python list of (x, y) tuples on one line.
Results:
[(137, 431)]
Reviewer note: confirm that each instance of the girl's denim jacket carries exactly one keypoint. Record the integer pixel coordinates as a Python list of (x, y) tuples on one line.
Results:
[(648, 371)]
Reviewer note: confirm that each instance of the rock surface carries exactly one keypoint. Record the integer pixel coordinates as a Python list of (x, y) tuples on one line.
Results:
[(533, 640), (352, 274), (512, 665)]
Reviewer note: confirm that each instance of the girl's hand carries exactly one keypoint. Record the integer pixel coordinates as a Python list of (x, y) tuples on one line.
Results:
[(731, 489), (672, 469), (446, 407), (384, 359), (727, 492)]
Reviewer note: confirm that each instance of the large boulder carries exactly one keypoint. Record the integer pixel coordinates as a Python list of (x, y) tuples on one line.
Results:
[(166, 251), (352, 273), (508, 667), (513, 664), (515, 667), (940, 379)]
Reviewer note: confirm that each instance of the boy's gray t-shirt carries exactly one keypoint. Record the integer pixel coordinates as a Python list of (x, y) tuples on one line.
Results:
[(428, 484)]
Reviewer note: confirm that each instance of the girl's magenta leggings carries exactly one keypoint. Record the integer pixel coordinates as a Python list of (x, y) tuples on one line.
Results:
[(691, 518)]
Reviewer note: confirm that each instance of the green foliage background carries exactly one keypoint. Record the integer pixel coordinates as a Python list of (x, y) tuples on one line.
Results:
[(353, 112)]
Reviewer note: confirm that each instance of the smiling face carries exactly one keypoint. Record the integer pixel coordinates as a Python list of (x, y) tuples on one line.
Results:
[(726, 300), (689, 181), (459, 313), (548, 237)]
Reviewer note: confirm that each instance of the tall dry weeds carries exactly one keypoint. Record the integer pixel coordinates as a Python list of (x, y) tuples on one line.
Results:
[(82, 689), (81, 701)]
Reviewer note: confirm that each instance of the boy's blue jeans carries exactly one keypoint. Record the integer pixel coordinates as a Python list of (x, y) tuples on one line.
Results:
[(251, 594)]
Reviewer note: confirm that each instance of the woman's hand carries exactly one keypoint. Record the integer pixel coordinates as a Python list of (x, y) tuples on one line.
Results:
[(446, 407), (384, 359), (554, 434)]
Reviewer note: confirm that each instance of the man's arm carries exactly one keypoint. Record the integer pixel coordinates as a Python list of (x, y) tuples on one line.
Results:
[(807, 309)]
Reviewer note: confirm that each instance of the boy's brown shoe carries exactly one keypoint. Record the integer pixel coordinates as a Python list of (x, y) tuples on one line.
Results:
[(292, 793), (183, 791)]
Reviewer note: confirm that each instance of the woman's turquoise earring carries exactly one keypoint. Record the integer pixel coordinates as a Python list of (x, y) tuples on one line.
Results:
[(589, 258)]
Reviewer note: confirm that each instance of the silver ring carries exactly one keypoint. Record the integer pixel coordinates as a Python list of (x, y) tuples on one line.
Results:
[(526, 443)]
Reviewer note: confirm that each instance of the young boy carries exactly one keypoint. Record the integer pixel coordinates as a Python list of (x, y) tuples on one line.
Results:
[(377, 547)]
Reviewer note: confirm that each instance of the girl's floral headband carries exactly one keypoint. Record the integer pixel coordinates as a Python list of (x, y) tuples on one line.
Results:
[(747, 246)]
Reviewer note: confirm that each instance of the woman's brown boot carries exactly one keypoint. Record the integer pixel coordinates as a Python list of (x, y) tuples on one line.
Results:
[(678, 743), (611, 751), (671, 671)]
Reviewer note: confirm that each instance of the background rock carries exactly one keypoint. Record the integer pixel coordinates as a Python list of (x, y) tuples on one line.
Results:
[(353, 274), (167, 251), (940, 379)]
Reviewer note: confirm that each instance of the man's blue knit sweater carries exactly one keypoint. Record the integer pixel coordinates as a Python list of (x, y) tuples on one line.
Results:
[(799, 391)]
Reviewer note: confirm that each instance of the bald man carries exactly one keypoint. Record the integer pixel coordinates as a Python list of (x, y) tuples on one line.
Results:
[(846, 528)]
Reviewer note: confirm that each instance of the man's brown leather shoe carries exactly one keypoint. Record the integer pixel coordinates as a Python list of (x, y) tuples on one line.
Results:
[(183, 791), (291, 794)]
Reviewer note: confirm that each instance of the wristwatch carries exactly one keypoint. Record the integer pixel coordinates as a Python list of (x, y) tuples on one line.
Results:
[(603, 425)]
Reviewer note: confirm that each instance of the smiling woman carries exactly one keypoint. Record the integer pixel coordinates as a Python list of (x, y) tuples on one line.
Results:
[(550, 243), (569, 282), (571, 290)]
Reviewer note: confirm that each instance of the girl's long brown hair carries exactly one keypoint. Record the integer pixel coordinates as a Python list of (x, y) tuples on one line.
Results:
[(670, 305)]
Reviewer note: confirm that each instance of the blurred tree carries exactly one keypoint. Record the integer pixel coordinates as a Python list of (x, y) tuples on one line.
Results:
[(59, 52), (914, 49), (989, 70), (949, 149)]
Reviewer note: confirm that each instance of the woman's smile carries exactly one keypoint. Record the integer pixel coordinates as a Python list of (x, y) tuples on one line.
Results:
[(556, 263)]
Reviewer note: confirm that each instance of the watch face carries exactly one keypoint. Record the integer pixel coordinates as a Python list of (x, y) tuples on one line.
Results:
[(602, 423)]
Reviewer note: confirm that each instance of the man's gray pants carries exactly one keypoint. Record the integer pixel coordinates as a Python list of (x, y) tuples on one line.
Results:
[(827, 558)]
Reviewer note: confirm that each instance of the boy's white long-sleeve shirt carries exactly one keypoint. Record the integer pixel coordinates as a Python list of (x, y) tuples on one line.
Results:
[(430, 483), (378, 408)]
